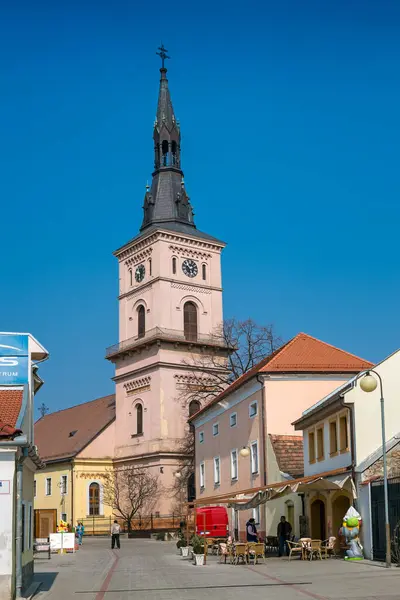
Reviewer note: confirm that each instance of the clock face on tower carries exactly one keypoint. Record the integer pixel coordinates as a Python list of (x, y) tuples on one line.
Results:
[(140, 273), (189, 267)]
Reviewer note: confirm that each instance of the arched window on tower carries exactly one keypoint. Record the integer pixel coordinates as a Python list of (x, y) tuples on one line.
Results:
[(141, 321), (194, 407), (174, 265), (139, 419), (190, 321), (204, 271), (164, 151), (174, 154), (94, 499)]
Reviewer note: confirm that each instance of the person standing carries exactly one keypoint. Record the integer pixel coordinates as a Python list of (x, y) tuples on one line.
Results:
[(115, 531), (251, 531), (80, 530), (284, 531)]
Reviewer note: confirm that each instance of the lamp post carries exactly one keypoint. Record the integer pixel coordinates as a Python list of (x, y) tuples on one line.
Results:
[(368, 383)]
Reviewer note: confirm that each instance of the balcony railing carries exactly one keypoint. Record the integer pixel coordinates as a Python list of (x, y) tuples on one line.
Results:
[(160, 333)]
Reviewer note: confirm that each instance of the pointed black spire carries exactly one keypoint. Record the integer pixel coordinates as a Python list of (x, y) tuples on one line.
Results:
[(167, 200)]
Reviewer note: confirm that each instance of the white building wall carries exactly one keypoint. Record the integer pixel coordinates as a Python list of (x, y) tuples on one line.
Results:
[(367, 409), (329, 463), (7, 534)]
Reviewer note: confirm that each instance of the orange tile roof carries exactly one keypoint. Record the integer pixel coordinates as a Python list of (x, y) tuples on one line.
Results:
[(6, 431), (10, 406), (63, 434), (305, 353), (302, 354), (288, 451)]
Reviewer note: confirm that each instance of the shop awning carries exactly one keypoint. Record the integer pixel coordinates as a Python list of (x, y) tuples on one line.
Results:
[(340, 479)]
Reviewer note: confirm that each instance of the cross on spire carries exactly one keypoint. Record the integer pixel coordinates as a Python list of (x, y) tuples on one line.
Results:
[(162, 54)]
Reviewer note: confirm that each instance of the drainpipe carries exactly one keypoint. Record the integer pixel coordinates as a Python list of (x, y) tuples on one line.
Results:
[(18, 537), (18, 442), (263, 431), (72, 494), (350, 408)]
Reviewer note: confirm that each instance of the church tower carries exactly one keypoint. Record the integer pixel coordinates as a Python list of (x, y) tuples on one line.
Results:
[(170, 307)]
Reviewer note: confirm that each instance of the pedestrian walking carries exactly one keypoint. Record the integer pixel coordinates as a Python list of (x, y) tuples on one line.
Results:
[(115, 531), (284, 531), (80, 530)]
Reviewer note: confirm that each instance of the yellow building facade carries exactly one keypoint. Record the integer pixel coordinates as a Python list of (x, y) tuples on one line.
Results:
[(70, 487)]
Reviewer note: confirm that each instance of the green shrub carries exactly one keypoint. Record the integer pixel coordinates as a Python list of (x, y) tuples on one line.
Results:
[(160, 536), (198, 544), (181, 543), (198, 549)]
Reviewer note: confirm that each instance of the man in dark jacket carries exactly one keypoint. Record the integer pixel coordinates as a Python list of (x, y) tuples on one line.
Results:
[(251, 531), (284, 531)]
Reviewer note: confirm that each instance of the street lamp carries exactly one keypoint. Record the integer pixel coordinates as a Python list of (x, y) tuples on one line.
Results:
[(368, 383), (244, 452)]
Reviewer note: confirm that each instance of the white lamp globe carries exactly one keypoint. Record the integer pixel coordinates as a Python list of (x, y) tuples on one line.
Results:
[(368, 383), (245, 451), (178, 475)]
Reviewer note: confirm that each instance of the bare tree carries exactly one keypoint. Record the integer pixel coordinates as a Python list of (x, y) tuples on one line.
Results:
[(209, 374), (130, 490), (251, 343)]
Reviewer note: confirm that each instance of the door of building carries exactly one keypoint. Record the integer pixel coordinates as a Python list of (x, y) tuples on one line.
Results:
[(378, 514), (318, 520), (45, 522)]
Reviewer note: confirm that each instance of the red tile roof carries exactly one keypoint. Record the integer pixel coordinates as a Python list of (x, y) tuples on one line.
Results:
[(305, 353), (10, 406), (302, 354), (288, 451), (8, 432), (63, 434)]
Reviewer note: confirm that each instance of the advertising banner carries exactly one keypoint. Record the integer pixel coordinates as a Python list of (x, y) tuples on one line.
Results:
[(14, 359)]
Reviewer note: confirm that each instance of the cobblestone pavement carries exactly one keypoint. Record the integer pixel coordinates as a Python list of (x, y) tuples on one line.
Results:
[(150, 570)]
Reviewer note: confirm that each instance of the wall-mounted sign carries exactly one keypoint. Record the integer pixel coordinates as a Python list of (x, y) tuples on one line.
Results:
[(14, 359), (4, 486)]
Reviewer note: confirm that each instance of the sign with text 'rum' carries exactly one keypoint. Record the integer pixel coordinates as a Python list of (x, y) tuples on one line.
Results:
[(14, 359)]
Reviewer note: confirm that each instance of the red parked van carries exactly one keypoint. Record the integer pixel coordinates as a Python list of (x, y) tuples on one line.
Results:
[(216, 521)]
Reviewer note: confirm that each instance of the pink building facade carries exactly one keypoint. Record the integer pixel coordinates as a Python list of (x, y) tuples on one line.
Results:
[(263, 402), (170, 308)]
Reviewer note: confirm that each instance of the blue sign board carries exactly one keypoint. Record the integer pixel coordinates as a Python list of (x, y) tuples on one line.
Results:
[(14, 359)]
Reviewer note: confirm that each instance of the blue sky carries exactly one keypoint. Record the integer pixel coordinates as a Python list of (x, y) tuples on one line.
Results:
[(290, 121)]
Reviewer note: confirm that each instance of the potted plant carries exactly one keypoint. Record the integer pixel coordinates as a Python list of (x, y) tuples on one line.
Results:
[(183, 547), (198, 551)]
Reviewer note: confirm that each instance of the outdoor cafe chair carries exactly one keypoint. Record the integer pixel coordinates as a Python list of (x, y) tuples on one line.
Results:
[(254, 551), (240, 552), (315, 549), (210, 542), (271, 543), (295, 548), (305, 543), (328, 547), (225, 551)]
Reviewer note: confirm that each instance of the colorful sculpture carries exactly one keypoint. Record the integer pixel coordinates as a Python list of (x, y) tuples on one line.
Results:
[(62, 527), (350, 531)]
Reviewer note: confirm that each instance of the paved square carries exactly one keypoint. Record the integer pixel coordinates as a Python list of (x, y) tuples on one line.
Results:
[(150, 570)]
